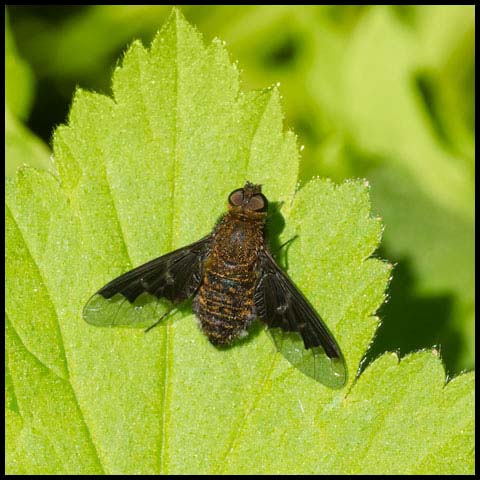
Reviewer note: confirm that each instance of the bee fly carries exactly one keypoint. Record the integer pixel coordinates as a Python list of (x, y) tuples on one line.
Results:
[(233, 279)]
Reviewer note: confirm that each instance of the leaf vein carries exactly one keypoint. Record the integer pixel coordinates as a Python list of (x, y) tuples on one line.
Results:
[(386, 413), (250, 407), (69, 384)]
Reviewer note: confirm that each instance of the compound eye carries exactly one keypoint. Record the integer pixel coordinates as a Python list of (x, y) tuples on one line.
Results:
[(236, 198), (258, 203)]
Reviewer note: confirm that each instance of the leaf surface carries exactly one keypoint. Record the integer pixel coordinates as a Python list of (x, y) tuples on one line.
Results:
[(145, 172)]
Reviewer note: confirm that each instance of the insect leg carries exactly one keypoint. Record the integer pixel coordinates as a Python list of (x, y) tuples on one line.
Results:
[(166, 314), (284, 244)]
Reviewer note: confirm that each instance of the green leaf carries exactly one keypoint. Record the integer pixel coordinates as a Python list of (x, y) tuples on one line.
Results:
[(149, 171), (22, 147), (19, 81), (423, 188), (398, 129), (448, 280), (410, 130)]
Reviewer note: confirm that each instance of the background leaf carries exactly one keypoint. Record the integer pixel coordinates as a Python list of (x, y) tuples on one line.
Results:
[(148, 171), (18, 73), (417, 127), (22, 147)]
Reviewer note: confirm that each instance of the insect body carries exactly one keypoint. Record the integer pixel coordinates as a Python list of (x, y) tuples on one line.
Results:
[(225, 303), (233, 279)]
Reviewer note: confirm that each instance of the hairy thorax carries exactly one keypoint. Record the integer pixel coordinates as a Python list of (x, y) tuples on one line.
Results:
[(224, 303)]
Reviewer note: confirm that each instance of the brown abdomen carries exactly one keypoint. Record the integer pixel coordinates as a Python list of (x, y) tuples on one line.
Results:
[(224, 303)]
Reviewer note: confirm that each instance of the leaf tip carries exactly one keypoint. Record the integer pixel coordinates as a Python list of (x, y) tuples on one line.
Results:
[(177, 16)]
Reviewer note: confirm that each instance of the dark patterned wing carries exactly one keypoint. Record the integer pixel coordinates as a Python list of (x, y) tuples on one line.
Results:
[(127, 300), (296, 329)]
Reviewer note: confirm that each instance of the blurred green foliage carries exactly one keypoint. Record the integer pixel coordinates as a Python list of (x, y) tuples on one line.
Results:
[(21, 145), (380, 92)]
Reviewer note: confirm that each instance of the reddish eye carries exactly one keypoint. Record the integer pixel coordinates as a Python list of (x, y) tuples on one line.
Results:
[(258, 203), (236, 197)]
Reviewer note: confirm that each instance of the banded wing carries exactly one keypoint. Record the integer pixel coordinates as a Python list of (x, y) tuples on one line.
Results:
[(296, 329), (129, 300)]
